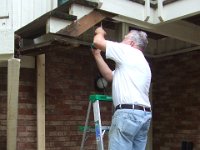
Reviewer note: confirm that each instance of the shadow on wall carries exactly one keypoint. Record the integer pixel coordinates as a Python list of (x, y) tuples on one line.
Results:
[(187, 145)]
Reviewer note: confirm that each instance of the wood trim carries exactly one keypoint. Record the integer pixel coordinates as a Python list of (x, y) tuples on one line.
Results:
[(12, 102), (41, 102)]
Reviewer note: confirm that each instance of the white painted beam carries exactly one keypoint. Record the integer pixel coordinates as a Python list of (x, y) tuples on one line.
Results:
[(170, 12), (180, 9), (79, 10), (41, 102), (12, 102), (160, 10), (147, 10), (55, 24), (126, 8), (180, 30)]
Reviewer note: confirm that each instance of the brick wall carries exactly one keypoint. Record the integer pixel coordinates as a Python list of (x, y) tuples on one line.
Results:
[(70, 78), (176, 101), (26, 136), (27, 110), (3, 107)]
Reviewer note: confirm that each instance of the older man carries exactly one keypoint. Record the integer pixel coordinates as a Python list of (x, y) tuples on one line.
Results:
[(130, 88)]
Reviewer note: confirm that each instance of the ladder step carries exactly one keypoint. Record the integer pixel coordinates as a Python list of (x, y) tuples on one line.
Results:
[(106, 128), (98, 129), (96, 97)]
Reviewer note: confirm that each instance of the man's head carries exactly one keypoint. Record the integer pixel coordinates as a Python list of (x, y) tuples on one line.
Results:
[(137, 39)]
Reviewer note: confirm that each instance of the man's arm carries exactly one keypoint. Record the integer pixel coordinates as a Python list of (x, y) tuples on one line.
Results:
[(102, 66), (99, 40)]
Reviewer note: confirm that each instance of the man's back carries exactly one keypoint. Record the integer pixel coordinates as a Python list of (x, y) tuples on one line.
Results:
[(132, 75)]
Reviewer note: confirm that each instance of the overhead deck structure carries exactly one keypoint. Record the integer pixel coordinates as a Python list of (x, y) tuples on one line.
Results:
[(158, 17)]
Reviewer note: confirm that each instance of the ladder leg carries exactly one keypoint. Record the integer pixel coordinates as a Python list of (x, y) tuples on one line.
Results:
[(98, 127), (86, 125)]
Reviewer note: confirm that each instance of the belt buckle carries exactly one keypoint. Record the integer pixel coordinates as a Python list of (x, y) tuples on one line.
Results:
[(133, 106), (144, 108)]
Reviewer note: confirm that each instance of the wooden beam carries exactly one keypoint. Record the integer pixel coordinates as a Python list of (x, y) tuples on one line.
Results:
[(41, 102), (83, 24), (12, 102), (173, 29)]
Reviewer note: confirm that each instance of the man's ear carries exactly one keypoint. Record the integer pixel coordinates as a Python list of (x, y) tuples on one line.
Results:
[(132, 44)]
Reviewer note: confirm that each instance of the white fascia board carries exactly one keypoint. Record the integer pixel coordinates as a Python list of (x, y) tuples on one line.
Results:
[(126, 8), (133, 22), (170, 12), (79, 10), (180, 30), (178, 10), (55, 24)]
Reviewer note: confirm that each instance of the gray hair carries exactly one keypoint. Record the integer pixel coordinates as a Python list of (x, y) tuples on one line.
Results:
[(140, 39)]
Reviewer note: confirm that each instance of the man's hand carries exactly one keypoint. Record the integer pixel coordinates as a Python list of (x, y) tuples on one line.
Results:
[(99, 40), (96, 52), (100, 30)]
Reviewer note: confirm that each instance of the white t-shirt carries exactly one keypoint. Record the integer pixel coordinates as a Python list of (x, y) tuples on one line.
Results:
[(132, 75)]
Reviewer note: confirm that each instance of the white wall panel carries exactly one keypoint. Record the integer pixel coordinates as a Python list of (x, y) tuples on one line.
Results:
[(38, 8), (4, 9), (16, 14), (5, 14), (6, 44), (25, 11)]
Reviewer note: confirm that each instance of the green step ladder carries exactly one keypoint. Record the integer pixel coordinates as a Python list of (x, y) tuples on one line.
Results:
[(99, 129)]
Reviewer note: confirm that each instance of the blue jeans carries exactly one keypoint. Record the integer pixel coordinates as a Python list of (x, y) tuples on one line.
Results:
[(129, 129)]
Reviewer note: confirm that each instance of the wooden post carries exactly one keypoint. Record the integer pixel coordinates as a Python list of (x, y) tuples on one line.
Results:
[(12, 102), (41, 102)]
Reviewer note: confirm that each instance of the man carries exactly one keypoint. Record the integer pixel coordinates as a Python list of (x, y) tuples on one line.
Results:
[(130, 88)]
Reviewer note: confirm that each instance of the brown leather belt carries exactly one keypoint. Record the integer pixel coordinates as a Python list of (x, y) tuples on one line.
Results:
[(131, 106)]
